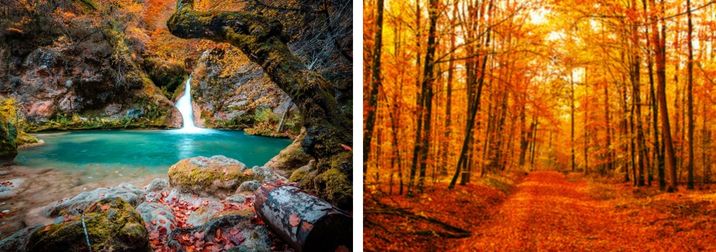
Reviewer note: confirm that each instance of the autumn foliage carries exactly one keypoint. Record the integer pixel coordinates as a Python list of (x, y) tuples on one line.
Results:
[(456, 91)]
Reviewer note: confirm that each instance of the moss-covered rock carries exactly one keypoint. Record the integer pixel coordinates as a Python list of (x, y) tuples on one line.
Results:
[(290, 158), (335, 186), (25, 139), (112, 225), (8, 145), (217, 175)]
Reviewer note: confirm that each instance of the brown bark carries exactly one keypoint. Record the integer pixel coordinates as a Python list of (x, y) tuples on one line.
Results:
[(690, 93), (374, 88)]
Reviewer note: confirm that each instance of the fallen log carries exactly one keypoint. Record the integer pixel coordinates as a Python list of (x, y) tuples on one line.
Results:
[(304, 221)]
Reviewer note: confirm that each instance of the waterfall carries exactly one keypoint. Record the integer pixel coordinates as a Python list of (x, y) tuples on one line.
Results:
[(185, 108)]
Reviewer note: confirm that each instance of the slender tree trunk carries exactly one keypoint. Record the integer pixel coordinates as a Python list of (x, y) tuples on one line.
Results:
[(571, 107), (661, 96), (610, 162), (690, 93), (474, 106), (428, 87), (586, 123), (447, 147), (374, 88), (418, 102)]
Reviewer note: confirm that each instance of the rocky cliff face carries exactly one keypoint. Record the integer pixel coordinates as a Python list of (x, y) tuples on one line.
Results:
[(232, 92), (73, 64)]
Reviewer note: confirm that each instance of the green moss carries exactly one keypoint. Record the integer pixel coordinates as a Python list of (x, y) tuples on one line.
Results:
[(335, 187), (299, 174), (112, 225), (8, 130), (24, 138), (211, 178)]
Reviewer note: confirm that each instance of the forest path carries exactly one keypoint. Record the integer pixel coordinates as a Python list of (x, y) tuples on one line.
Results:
[(548, 212)]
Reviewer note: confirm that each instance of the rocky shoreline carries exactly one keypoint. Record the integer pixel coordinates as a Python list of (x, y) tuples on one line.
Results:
[(202, 203)]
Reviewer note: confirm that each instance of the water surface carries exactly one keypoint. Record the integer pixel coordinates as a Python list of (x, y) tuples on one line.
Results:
[(151, 151)]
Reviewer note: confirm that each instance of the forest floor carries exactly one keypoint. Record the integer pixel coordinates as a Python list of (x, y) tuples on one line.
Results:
[(432, 220), (553, 212), (546, 211)]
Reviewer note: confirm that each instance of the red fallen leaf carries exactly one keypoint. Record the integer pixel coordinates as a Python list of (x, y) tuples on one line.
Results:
[(104, 207), (190, 248), (218, 234), (164, 194), (199, 235), (294, 220), (154, 222)]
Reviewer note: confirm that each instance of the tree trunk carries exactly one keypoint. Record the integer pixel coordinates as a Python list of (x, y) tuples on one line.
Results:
[(473, 107), (374, 88), (571, 113), (661, 96), (304, 221), (657, 101), (418, 103), (690, 93), (263, 41)]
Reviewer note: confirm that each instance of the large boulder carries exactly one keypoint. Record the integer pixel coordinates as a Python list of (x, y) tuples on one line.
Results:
[(127, 192), (8, 135), (230, 91), (290, 158), (111, 225), (217, 175)]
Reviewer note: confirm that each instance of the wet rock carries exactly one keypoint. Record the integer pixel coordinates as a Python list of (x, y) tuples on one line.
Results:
[(9, 188), (218, 176), (265, 174), (111, 224), (126, 192), (156, 216), (157, 184), (18, 240), (238, 198), (248, 186), (208, 208)]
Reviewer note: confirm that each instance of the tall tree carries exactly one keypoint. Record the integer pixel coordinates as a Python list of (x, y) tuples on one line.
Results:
[(690, 93), (374, 87)]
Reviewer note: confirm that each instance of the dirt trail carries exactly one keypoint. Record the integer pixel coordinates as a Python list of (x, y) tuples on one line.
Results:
[(549, 213)]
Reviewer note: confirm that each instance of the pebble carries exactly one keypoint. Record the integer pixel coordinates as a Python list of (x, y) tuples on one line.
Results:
[(5, 211)]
